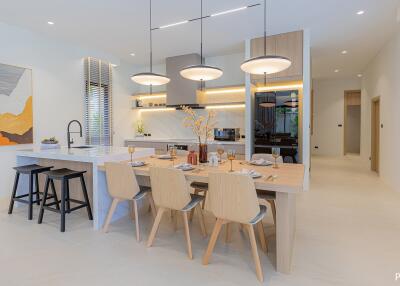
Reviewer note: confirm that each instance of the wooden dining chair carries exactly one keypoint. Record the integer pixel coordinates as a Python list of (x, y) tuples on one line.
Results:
[(123, 186), (233, 198), (267, 197), (171, 191)]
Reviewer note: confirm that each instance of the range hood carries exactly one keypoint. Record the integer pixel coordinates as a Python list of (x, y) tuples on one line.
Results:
[(181, 91)]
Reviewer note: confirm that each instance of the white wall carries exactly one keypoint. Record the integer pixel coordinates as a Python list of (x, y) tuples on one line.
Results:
[(382, 78), (329, 113), (58, 88)]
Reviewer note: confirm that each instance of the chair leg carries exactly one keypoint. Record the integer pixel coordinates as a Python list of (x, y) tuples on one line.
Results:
[(111, 211), (53, 188), (228, 233), (155, 226), (273, 209), (204, 201), (46, 190), (14, 193), (152, 205), (37, 189), (131, 210), (261, 235), (135, 209), (85, 195), (213, 240), (63, 194), (196, 192), (187, 235), (30, 197), (201, 221), (254, 251)]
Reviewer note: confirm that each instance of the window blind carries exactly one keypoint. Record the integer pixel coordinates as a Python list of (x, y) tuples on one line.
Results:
[(98, 102)]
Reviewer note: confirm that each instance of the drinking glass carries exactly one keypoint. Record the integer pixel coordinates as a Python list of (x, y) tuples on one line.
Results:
[(172, 153), (220, 151), (276, 152), (131, 150), (231, 156)]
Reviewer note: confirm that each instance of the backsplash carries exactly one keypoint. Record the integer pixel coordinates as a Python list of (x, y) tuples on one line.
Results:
[(168, 124)]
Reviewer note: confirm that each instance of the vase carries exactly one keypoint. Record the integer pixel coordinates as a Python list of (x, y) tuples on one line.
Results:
[(203, 153)]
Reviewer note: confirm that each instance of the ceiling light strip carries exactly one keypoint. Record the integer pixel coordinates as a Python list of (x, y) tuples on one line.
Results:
[(208, 16), (231, 106)]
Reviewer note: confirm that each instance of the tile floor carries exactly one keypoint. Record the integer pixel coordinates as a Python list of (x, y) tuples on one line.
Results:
[(348, 233)]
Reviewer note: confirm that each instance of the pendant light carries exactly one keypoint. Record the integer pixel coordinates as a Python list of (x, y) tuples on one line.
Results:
[(201, 72), (266, 64), (150, 78)]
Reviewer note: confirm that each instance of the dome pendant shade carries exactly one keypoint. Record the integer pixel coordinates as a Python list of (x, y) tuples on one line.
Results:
[(201, 72), (266, 65), (149, 78)]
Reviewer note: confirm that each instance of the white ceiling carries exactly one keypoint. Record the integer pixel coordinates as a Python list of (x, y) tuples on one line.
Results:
[(120, 27)]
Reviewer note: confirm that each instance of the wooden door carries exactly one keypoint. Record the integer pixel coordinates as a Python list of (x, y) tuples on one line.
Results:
[(375, 134)]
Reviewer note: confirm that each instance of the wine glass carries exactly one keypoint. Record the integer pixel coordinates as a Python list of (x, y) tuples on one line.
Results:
[(172, 153), (220, 151), (231, 156), (131, 150), (276, 152)]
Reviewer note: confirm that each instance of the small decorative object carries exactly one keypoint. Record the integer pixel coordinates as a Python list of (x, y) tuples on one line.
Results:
[(139, 103), (51, 140), (49, 143), (231, 156), (172, 153), (202, 128), (151, 104), (276, 152), (131, 150), (213, 159), (139, 128)]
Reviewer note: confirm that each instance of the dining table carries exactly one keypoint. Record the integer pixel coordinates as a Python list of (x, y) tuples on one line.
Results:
[(286, 182)]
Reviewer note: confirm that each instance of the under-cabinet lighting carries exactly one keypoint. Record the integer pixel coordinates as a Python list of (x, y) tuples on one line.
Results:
[(152, 96), (225, 106), (174, 24), (157, 109), (220, 91), (229, 11), (280, 87)]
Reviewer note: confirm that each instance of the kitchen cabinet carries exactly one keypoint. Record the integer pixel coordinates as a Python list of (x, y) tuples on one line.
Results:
[(289, 45)]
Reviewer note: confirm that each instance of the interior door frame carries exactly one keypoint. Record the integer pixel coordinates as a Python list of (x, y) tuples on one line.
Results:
[(375, 134), (346, 93)]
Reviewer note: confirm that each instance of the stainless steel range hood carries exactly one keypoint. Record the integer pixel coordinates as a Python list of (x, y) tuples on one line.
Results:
[(181, 91)]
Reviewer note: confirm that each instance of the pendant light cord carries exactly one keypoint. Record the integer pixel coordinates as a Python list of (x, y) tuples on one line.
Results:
[(151, 44), (201, 31), (265, 27)]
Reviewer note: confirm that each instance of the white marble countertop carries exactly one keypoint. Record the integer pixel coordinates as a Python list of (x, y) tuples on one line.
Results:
[(96, 154), (182, 141)]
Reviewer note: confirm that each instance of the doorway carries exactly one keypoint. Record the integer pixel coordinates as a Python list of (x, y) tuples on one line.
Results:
[(375, 134), (352, 122)]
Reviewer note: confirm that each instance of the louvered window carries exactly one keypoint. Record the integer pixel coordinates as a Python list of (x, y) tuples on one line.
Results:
[(98, 102)]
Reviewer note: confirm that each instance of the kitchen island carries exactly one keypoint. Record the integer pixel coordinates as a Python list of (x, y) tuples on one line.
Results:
[(87, 159)]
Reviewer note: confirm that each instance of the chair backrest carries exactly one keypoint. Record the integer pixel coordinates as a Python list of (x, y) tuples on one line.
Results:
[(266, 157), (169, 188), (121, 180), (232, 197)]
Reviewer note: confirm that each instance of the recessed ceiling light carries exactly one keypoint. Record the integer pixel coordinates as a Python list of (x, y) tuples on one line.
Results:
[(50, 23), (359, 75), (336, 70), (344, 52), (132, 54), (361, 12)]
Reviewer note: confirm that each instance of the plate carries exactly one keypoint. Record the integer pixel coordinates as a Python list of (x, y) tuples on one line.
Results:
[(137, 165), (165, 157), (265, 163), (185, 168)]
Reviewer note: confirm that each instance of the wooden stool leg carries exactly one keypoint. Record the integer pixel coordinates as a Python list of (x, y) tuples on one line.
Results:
[(63, 194), (110, 214), (30, 197), (254, 251), (213, 240), (67, 196), (135, 209), (261, 235), (85, 195), (187, 235), (46, 190), (155, 226), (53, 188), (37, 189), (14, 193)]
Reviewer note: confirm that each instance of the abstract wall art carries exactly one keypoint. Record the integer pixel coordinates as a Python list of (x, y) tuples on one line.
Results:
[(16, 119)]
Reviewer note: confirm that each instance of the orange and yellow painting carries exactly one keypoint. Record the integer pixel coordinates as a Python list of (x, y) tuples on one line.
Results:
[(16, 118)]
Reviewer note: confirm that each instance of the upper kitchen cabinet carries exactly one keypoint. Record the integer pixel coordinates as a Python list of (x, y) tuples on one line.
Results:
[(289, 45)]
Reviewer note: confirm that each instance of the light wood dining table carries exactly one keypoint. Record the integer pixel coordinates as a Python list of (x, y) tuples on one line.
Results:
[(287, 182)]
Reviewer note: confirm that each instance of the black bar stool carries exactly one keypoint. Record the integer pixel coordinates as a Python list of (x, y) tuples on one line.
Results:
[(64, 175), (33, 171)]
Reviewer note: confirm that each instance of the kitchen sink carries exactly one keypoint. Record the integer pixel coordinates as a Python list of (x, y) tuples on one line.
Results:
[(82, 147)]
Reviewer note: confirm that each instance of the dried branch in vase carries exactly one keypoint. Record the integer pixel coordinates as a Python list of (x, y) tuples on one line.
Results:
[(201, 126)]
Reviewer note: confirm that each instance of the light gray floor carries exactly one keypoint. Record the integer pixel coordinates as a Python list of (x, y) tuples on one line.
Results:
[(348, 233)]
